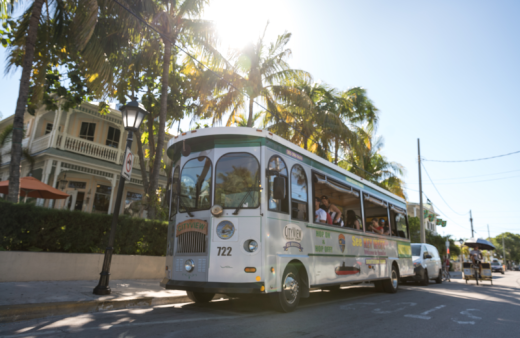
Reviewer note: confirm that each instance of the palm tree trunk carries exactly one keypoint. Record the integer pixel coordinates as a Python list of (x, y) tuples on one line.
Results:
[(336, 151), (250, 119), (305, 140), (16, 150), (154, 179)]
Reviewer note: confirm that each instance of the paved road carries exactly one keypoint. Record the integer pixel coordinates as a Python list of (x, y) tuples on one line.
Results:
[(447, 310)]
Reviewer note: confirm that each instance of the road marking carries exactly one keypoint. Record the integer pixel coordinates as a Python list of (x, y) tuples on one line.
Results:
[(424, 314), (104, 327), (379, 311), (351, 306), (469, 315)]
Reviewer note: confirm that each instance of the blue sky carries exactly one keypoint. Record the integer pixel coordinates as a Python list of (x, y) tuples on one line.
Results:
[(445, 72)]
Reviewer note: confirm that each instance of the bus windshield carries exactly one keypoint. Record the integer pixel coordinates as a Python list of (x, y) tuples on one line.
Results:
[(237, 180), (195, 191)]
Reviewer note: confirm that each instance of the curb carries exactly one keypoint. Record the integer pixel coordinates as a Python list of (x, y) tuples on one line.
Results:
[(19, 312)]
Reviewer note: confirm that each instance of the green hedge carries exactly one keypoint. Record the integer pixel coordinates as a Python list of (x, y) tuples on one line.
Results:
[(26, 227)]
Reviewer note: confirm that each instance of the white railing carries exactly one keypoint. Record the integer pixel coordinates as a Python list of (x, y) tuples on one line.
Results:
[(41, 143), (89, 148)]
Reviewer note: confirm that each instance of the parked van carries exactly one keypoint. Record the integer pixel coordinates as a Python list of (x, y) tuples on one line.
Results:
[(427, 264)]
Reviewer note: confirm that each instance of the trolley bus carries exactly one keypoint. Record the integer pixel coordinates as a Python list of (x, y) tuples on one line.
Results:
[(242, 219)]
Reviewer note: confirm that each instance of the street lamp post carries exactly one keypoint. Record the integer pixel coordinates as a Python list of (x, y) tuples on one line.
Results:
[(133, 115)]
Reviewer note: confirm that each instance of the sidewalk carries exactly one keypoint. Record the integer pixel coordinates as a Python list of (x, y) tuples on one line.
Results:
[(29, 300)]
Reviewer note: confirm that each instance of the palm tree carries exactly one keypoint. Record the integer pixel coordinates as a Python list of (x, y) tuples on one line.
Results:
[(84, 20), (23, 93), (258, 71), (364, 159)]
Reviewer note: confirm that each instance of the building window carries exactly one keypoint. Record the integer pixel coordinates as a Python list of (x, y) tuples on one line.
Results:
[(102, 199), (48, 128), (77, 185), (113, 137), (132, 203), (87, 131)]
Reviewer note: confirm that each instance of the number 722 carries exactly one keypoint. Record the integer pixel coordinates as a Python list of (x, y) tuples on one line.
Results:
[(222, 251)]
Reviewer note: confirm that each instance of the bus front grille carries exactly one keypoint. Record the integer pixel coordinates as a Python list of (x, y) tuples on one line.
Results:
[(191, 242)]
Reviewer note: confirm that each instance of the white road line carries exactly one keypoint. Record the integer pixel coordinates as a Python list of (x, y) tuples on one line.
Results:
[(424, 314), (469, 315), (79, 330), (379, 311)]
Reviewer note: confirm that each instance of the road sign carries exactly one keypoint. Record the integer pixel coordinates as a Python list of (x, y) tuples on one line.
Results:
[(128, 164)]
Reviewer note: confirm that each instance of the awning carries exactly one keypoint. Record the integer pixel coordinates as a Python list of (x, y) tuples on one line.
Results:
[(342, 189), (375, 200)]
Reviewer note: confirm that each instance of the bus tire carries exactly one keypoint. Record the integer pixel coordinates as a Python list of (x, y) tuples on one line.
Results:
[(438, 280), (391, 285), (288, 299), (379, 286), (200, 297), (426, 279)]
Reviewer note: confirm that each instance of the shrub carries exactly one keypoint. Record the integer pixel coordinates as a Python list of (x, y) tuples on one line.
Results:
[(26, 227)]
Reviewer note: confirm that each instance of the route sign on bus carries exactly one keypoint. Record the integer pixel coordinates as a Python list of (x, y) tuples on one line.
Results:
[(128, 164)]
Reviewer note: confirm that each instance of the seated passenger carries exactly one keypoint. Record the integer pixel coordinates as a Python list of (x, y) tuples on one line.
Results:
[(320, 214), (352, 221), (374, 226), (386, 231), (332, 210)]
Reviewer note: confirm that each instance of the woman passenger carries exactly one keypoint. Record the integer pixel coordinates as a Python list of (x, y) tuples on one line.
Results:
[(352, 221), (332, 210)]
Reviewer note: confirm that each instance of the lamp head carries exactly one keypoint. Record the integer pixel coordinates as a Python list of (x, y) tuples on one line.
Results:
[(133, 115)]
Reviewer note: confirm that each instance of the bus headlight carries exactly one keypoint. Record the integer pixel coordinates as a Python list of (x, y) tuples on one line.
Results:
[(189, 265), (250, 245), (216, 210)]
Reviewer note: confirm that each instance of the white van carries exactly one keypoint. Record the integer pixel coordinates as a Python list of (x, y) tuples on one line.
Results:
[(427, 264)]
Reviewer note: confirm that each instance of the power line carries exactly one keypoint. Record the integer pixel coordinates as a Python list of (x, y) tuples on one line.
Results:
[(426, 171), (477, 159), (464, 177), (493, 179)]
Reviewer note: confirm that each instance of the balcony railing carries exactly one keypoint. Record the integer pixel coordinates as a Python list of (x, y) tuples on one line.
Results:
[(88, 148), (41, 143)]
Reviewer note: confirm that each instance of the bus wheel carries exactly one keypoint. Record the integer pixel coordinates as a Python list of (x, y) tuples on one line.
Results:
[(379, 286), (200, 297), (288, 299), (391, 285)]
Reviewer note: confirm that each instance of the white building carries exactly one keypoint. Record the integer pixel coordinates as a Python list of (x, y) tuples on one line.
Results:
[(413, 210), (81, 153)]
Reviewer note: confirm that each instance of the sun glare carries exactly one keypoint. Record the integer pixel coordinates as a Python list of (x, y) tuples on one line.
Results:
[(238, 22)]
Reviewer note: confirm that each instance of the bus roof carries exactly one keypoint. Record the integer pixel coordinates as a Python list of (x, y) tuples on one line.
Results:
[(265, 134)]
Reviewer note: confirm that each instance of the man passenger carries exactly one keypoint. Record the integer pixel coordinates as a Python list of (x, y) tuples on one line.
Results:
[(320, 214)]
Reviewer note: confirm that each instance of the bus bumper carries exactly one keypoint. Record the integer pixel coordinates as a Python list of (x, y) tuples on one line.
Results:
[(212, 287)]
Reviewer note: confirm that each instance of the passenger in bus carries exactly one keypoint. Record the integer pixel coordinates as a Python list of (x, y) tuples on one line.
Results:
[(320, 214), (386, 231), (332, 210), (374, 226), (352, 221)]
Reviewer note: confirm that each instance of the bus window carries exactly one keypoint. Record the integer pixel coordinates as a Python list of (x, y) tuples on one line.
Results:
[(299, 194), (276, 164), (195, 190), (237, 177), (376, 215), (342, 202), (396, 222), (401, 225), (175, 192)]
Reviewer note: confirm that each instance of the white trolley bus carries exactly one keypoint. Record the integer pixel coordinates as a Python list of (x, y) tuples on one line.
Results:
[(243, 220)]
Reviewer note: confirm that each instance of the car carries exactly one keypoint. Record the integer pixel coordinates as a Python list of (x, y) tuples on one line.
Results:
[(427, 264), (497, 267)]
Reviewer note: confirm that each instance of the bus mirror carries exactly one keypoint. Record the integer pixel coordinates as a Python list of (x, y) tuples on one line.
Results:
[(279, 188)]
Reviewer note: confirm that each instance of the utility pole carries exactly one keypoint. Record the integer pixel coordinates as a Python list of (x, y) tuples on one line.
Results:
[(471, 221), (489, 235), (421, 209), (504, 248)]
